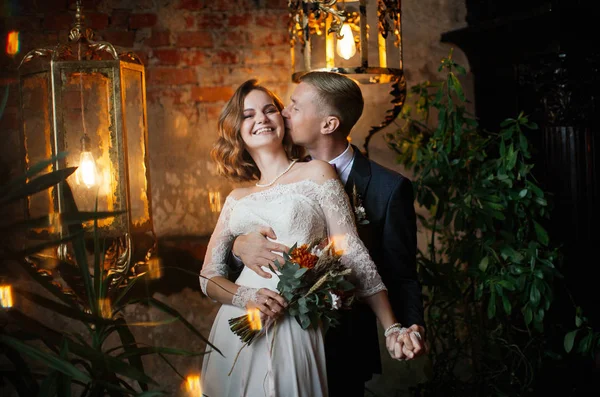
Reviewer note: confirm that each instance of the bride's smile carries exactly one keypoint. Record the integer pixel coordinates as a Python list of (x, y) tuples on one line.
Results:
[(262, 122)]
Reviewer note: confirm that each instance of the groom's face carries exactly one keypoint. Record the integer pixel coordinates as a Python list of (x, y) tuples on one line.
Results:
[(303, 116)]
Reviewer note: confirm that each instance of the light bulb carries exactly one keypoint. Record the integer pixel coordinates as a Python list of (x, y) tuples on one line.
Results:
[(86, 172), (346, 47)]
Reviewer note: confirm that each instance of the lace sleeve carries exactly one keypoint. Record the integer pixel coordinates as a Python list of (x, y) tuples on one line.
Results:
[(221, 240), (341, 227)]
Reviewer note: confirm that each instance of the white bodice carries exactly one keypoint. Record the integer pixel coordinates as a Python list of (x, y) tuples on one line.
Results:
[(293, 216), (298, 213)]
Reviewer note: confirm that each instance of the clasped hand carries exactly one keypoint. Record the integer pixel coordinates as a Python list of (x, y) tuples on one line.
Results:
[(407, 343)]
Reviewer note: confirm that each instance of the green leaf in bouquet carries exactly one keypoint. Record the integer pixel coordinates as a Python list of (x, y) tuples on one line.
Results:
[(300, 272), (304, 321), (346, 285), (292, 249), (293, 310), (288, 295), (326, 322)]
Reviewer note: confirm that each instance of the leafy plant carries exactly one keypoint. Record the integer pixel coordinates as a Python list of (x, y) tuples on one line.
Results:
[(94, 300), (489, 268)]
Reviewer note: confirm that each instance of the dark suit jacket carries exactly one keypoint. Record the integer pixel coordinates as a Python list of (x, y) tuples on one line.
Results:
[(391, 238)]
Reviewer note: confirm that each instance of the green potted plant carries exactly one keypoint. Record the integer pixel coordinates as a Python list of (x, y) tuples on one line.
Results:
[(489, 269)]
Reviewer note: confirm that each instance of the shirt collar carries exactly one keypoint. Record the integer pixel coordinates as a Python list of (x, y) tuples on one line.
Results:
[(343, 160)]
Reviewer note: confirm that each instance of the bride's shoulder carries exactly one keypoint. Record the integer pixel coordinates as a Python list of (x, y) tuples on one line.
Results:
[(318, 170), (239, 192)]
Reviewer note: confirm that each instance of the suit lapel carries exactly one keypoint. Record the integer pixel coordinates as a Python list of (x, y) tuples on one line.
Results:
[(360, 175)]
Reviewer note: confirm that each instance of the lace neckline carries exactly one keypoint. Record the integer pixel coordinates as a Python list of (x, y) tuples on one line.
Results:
[(279, 187)]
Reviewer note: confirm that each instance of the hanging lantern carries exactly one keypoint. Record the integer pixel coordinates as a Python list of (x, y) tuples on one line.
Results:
[(88, 99), (359, 38)]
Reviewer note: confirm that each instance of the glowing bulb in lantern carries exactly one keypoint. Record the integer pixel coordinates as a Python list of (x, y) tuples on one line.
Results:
[(346, 46), (6, 300), (87, 173)]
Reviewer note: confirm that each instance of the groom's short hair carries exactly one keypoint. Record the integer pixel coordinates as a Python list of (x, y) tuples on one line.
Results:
[(339, 95)]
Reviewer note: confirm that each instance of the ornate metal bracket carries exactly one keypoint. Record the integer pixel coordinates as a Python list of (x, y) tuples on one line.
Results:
[(398, 94)]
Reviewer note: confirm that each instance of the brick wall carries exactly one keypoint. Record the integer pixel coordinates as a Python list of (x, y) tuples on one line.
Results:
[(196, 53)]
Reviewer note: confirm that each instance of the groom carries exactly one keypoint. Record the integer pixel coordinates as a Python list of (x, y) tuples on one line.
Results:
[(324, 108)]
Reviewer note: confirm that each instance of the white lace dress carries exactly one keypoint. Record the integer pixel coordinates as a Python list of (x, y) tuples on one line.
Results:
[(295, 367)]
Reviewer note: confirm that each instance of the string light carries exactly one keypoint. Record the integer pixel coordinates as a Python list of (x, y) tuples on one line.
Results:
[(254, 319), (12, 43), (6, 300), (193, 386), (214, 200)]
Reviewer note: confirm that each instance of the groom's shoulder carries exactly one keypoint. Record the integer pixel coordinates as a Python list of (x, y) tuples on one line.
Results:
[(385, 175)]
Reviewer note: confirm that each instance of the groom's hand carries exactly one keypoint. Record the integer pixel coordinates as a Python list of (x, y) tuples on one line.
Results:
[(413, 343), (255, 250)]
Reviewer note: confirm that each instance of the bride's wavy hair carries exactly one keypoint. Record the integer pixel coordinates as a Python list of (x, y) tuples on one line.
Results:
[(229, 152)]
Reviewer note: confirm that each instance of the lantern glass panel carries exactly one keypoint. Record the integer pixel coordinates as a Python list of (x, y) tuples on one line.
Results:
[(87, 108), (37, 123), (135, 131)]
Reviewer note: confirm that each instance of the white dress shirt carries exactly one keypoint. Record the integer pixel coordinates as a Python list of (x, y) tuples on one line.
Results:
[(343, 163)]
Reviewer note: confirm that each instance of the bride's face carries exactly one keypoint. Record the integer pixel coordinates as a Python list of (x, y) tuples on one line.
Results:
[(262, 122)]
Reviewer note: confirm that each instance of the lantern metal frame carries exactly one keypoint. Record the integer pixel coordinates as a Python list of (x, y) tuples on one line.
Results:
[(110, 62), (313, 17)]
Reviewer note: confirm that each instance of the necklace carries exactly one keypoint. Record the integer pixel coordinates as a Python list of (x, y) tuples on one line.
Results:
[(278, 176)]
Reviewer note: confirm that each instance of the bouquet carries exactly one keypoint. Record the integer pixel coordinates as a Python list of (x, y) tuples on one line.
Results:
[(314, 283)]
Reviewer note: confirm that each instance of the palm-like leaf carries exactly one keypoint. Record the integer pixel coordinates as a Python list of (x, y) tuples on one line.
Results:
[(68, 354)]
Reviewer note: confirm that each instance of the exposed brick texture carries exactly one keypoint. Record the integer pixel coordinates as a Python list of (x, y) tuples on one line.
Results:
[(158, 38), (211, 94), (171, 76), (201, 39), (137, 21), (196, 52), (119, 37), (96, 20)]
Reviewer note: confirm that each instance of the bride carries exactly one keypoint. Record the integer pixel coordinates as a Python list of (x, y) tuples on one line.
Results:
[(302, 202)]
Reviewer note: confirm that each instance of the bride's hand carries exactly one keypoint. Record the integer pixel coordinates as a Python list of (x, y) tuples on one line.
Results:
[(397, 346), (270, 303)]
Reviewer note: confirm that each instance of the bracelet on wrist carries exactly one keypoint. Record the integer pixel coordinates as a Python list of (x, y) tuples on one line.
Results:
[(392, 328)]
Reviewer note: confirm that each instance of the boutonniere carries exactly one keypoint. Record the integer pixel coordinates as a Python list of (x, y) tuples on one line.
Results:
[(359, 210)]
